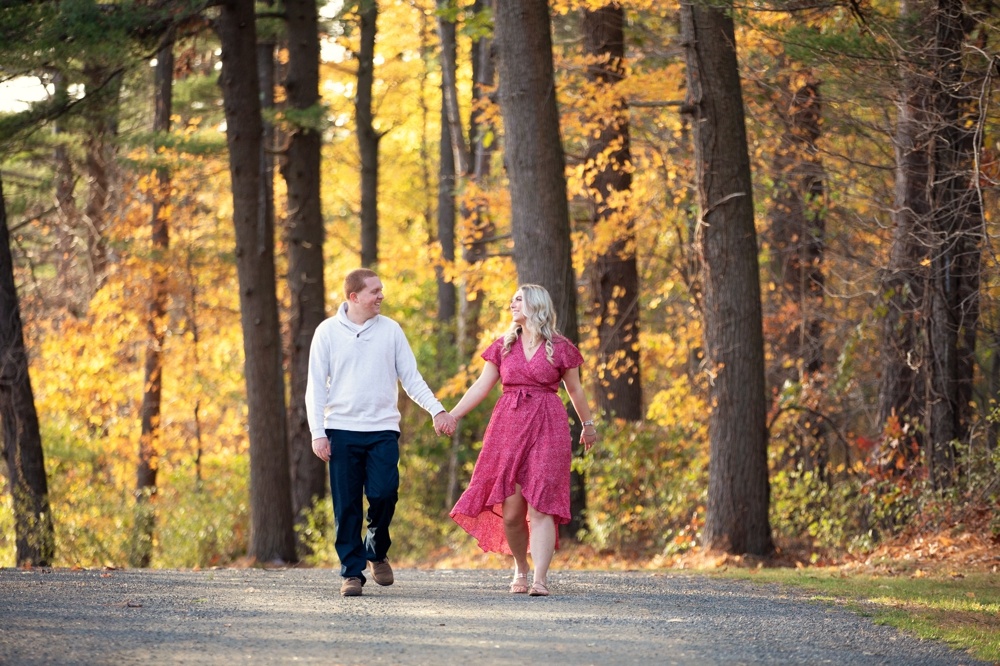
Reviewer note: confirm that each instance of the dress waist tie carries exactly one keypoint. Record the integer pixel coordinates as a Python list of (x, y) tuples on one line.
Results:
[(525, 392), (517, 394)]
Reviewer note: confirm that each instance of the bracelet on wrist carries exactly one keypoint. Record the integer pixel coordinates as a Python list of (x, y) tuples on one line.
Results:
[(588, 423)]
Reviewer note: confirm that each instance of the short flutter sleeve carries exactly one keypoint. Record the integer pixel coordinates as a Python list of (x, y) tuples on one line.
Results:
[(566, 355), (494, 352)]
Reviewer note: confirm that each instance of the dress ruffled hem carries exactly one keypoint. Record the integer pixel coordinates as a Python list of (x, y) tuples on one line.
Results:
[(480, 513)]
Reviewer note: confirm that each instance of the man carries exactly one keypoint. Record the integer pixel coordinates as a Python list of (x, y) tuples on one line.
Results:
[(356, 361)]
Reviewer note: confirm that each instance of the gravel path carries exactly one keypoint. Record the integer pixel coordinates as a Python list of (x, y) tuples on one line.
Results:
[(430, 617)]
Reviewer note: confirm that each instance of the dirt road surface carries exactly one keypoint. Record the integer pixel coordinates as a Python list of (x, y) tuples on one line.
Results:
[(437, 617)]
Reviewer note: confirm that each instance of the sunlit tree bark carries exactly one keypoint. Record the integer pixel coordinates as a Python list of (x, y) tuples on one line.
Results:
[(736, 518), (534, 156), (536, 172)]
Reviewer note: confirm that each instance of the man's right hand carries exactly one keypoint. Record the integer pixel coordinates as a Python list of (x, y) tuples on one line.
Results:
[(321, 447), (445, 423)]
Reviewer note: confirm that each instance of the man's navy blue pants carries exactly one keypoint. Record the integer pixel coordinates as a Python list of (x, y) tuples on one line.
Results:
[(363, 464)]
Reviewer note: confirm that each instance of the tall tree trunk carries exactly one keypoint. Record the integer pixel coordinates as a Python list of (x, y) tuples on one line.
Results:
[(192, 328), (616, 276), (902, 288), (102, 114), (479, 229), (738, 491), (797, 232), (156, 325), (447, 176), (67, 262), (266, 81), (796, 239), (22, 441), (426, 30), (534, 155), (447, 294), (471, 163), (536, 171), (272, 534), (306, 285), (956, 237), (993, 376), (368, 137)]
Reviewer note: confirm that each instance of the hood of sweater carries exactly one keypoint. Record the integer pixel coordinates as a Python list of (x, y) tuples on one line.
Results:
[(348, 327)]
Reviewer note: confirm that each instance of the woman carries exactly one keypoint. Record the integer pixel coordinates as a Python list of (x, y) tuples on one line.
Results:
[(522, 474)]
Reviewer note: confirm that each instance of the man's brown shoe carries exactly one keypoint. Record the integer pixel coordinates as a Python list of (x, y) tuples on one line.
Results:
[(382, 572), (351, 587)]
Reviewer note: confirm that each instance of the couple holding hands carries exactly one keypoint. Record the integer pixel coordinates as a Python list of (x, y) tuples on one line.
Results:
[(522, 475)]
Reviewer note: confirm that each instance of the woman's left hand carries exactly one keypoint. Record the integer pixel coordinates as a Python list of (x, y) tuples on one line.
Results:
[(588, 437)]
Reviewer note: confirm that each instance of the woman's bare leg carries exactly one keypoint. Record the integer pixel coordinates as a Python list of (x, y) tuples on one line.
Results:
[(543, 543), (515, 510)]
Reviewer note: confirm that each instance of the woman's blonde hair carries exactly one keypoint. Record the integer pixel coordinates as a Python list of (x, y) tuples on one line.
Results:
[(540, 317)]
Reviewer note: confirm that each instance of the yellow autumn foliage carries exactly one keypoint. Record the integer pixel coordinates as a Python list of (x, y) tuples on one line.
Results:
[(646, 483)]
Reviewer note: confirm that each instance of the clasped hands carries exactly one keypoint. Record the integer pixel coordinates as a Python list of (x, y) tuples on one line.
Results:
[(445, 423)]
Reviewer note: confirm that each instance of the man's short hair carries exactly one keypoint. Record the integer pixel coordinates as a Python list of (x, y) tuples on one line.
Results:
[(355, 281)]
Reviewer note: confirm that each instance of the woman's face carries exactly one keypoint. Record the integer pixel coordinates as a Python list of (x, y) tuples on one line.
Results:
[(517, 308)]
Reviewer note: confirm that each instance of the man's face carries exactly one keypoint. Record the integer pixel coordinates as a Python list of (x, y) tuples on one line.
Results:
[(368, 301)]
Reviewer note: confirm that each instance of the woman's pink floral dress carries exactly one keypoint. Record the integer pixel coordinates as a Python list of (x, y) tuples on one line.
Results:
[(527, 442)]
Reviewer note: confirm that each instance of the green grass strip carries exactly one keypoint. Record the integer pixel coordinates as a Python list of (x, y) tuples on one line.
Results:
[(961, 610)]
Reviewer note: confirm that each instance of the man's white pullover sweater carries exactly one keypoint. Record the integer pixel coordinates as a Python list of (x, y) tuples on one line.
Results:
[(354, 372)]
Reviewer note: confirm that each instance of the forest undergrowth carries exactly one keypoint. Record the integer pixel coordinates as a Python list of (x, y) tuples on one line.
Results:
[(926, 548)]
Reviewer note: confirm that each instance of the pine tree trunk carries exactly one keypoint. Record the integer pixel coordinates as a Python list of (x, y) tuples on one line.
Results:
[(797, 232), (74, 291), (478, 231), (738, 491), (306, 285), (616, 276), (534, 155), (22, 441), (957, 235), (156, 325), (472, 163), (102, 116), (271, 535), (447, 175), (536, 172), (902, 286), (796, 239), (368, 137)]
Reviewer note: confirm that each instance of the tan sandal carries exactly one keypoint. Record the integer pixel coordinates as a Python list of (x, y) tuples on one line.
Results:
[(520, 584), (538, 589)]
